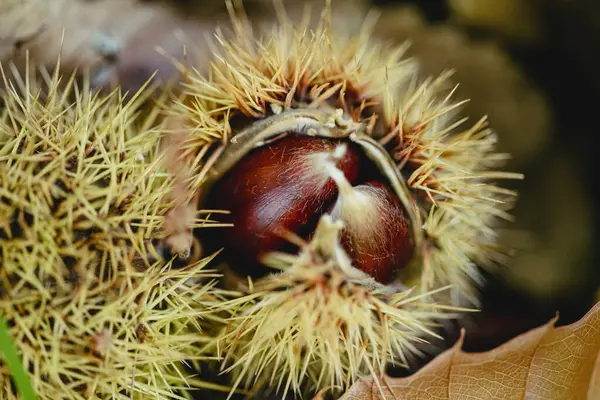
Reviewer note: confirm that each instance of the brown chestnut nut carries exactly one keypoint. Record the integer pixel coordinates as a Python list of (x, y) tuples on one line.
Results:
[(281, 186), (377, 234)]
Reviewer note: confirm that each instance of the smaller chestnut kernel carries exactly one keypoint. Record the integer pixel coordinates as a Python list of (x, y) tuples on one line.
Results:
[(376, 233)]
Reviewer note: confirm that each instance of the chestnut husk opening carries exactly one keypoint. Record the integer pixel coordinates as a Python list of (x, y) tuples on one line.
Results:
[(375, 165)]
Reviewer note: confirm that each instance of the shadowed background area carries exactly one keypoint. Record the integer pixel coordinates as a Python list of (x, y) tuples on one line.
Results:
[(530, 65)]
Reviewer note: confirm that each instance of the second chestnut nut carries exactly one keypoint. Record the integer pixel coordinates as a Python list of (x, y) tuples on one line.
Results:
[(289, 183)]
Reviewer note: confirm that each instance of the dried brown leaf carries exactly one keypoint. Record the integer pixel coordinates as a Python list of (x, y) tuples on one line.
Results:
[(544, 363)]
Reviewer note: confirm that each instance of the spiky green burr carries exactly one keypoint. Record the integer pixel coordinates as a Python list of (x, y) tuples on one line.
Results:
[(317, 323)]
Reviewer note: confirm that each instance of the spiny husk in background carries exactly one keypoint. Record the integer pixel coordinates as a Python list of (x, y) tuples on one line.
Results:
[(92, 308), (448, 171)]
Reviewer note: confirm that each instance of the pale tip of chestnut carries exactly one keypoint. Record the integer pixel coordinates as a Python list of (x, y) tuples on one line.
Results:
[(322, 162), (376, 230), (338, 153), (346, 191)]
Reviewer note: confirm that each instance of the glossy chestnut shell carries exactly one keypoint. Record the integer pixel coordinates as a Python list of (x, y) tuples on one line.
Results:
[(282, 187)]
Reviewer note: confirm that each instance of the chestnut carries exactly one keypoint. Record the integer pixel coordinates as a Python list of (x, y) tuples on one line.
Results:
[(281, 186), (287, 184), (376, 233)]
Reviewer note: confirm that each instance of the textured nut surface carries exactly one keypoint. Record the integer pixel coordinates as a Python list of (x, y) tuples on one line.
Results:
[(276, 188)]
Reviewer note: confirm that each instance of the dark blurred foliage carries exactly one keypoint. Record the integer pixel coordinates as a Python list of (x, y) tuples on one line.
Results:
[(433, 10)]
